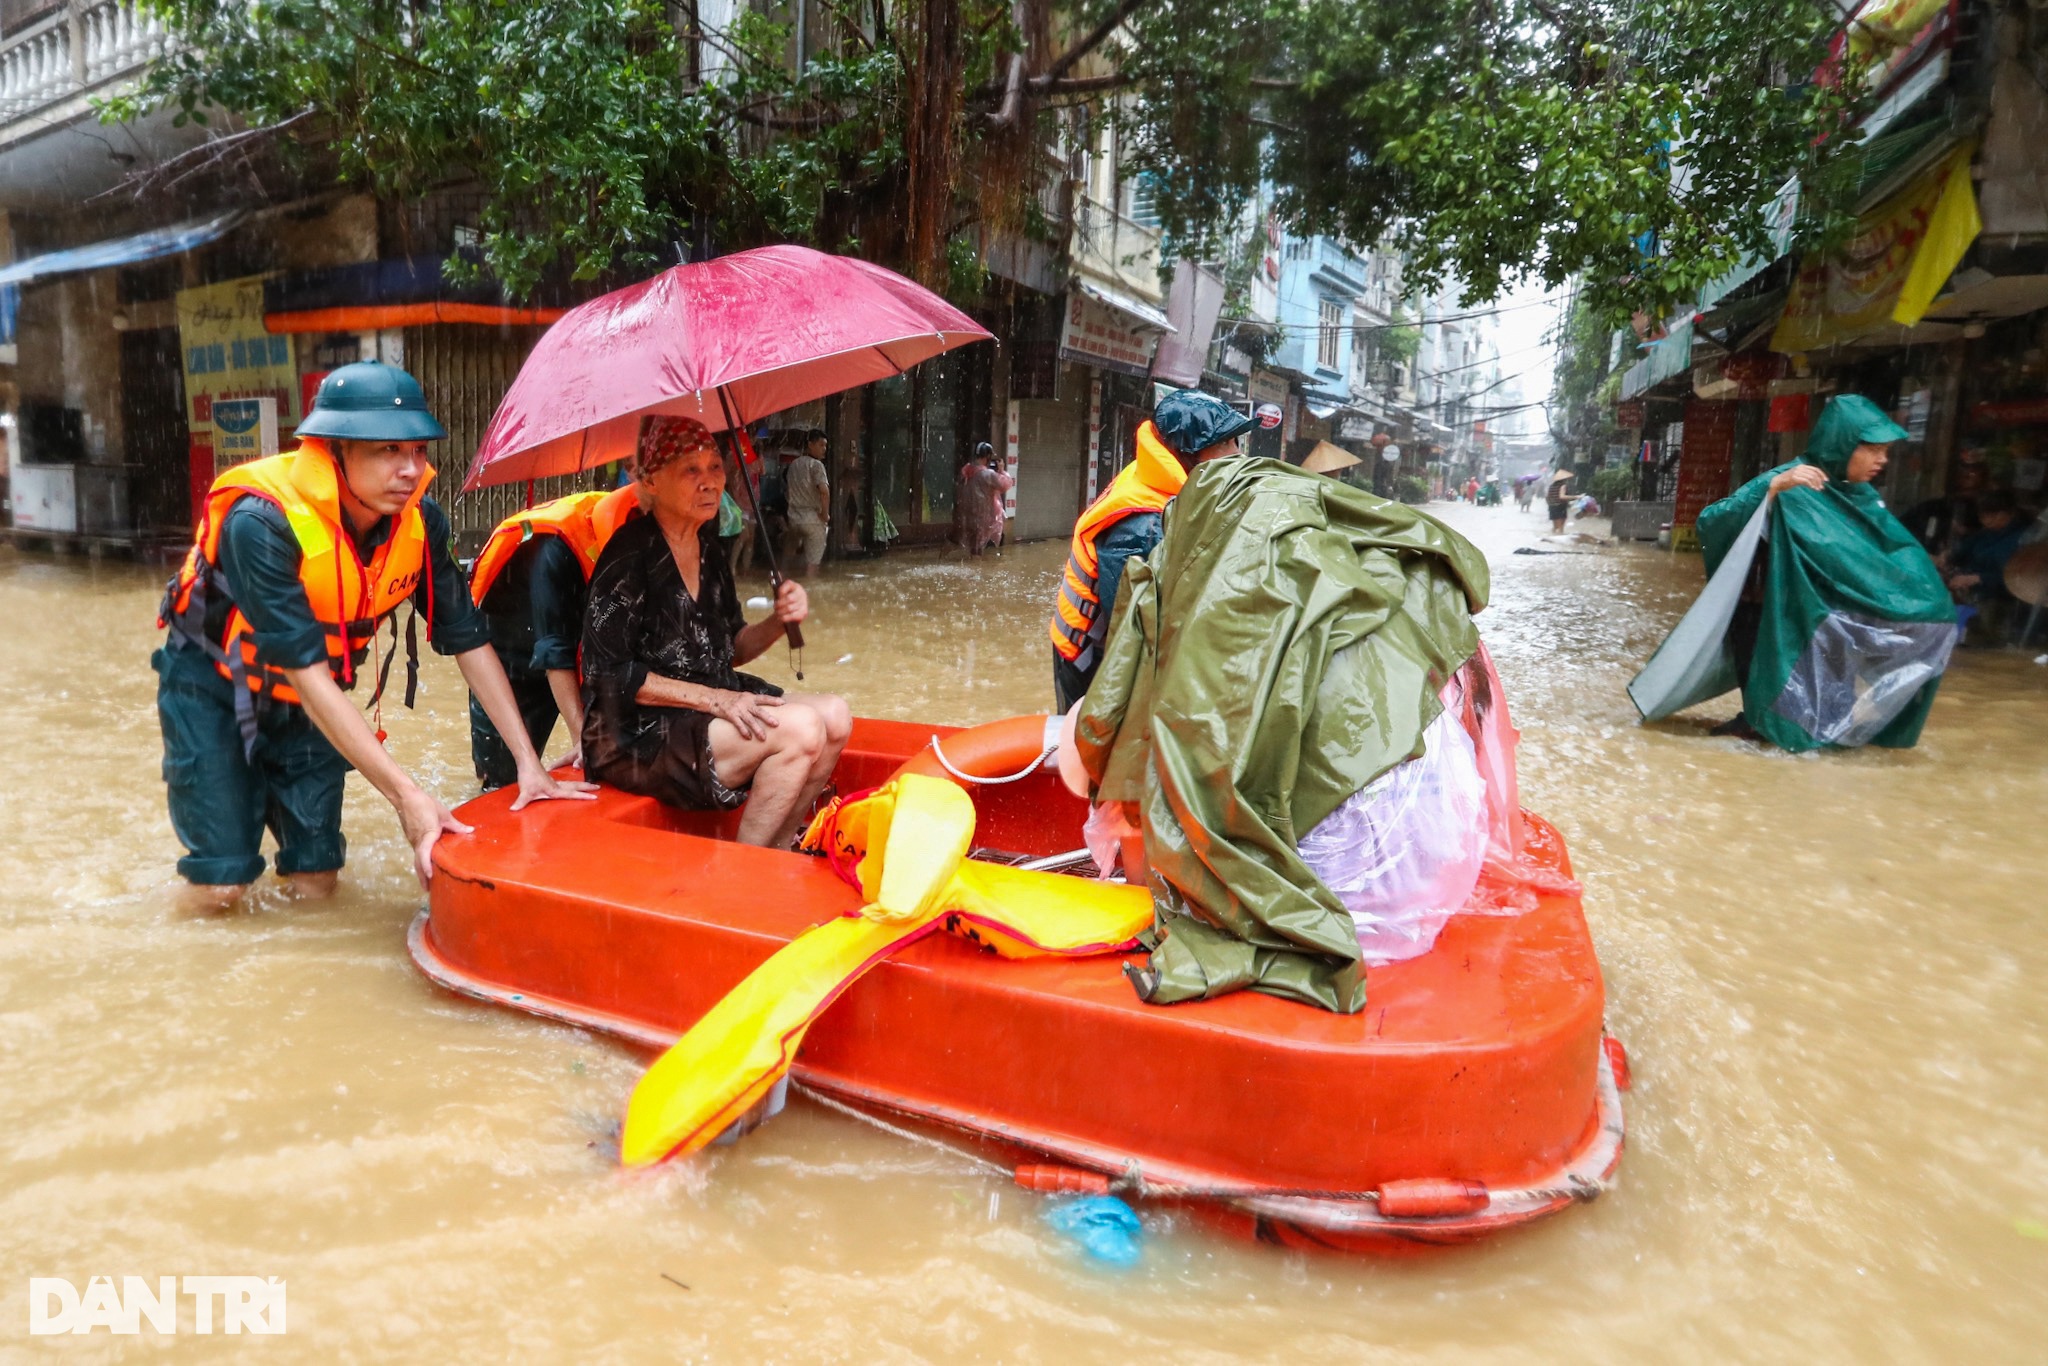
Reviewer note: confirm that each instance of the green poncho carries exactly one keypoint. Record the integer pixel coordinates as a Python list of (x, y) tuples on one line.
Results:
[(1856, 624), (1281, 648)]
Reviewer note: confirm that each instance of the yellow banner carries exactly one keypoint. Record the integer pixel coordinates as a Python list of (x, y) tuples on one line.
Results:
[(1901, 256), (229, 355)]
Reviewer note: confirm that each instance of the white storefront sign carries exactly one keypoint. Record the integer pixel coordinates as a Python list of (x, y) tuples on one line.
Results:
[(1094, 435), (1095, 334), (1266, 387), (243, 429), (1010, 444)]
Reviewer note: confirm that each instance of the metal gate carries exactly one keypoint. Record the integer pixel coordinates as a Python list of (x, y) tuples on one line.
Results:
[(465, 371)]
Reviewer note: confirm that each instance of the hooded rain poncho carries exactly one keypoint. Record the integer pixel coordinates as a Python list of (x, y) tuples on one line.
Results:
[(1856, 623)]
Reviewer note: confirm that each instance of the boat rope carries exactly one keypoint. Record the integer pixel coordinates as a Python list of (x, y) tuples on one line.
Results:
[(898, 1131), (1131, 1181), (1046, 751)]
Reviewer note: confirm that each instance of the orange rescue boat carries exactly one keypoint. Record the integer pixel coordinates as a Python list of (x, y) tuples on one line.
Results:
[(1475, 1092)]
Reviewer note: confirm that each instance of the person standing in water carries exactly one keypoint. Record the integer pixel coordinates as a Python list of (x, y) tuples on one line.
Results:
[(1844, 626), (297, 560), (809, 495), (979, 496), (1558, 500), (531, 580)]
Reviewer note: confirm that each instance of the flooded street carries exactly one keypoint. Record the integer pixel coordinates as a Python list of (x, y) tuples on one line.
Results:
[(1827, 971)]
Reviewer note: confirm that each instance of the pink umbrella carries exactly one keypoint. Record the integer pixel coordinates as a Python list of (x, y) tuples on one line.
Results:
[(725, 341)]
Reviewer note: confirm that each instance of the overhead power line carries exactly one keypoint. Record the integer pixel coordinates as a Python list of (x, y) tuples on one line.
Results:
[(1319, 328)]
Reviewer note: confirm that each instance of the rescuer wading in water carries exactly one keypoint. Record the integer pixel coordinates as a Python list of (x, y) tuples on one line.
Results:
[(297, 560), (532, 580)]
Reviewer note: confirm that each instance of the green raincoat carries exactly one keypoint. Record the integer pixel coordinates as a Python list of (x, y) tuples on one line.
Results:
[(1281, 648), (1856, 626)]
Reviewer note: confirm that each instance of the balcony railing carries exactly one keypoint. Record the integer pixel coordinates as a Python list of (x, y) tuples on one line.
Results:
[(66, 54), (1116, 246)]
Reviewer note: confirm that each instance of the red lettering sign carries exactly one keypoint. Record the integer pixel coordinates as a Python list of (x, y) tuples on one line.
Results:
[(1705, 460), (2018, 412)]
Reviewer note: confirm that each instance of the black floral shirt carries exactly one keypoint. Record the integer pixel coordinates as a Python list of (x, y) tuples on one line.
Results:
[(642, 620)]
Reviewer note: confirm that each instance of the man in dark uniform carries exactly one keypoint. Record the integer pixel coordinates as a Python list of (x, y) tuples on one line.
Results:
[(298, 559), (532, 579)]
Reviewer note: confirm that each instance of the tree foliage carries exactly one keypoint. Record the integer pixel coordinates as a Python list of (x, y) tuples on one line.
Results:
[(1400, 342), (1638, 143), (1581, 409), (589, 126)]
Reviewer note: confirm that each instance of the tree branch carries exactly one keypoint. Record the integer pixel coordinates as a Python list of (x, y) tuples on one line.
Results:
[(1095, 38), (206, 154), (1083, 85)]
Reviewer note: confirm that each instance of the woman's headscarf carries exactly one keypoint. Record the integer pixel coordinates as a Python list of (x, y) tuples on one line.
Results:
[(666, 439), (1848, 421)]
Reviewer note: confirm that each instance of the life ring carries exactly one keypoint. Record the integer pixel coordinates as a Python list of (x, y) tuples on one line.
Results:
[(998, 752)]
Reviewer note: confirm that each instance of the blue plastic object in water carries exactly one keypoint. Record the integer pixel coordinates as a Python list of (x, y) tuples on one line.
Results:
[(1106, 1228)]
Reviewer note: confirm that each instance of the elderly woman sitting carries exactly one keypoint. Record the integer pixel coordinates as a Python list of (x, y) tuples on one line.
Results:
[(666, 713)]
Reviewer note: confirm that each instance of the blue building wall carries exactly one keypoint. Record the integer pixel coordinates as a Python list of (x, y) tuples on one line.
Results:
[(1314, 270)]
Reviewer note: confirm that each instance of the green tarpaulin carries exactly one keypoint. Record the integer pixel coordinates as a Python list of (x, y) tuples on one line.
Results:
[(1281, 648)]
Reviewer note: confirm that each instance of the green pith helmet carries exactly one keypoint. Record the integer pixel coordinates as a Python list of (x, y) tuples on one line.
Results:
[(1190, 421), (371, 401)]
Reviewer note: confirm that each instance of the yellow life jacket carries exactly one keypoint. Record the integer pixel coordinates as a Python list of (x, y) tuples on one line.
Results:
[(1147, 484), (909, 842), (349, 598), (585, 522)]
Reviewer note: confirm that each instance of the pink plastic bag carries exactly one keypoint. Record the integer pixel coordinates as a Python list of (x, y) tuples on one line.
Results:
[(1508, 883), (1438, 834), (1404, 852)]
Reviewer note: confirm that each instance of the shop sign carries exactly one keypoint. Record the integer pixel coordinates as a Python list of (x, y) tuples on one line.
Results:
[(1752, 371), (2018, 412), (1266, 387), (1707, 457), (1630, 413), (1353, 428), (1791, 413), (1096, 334), (1012, 432), (228, 355), (1919, 405), (1094, 436), (244, 429)]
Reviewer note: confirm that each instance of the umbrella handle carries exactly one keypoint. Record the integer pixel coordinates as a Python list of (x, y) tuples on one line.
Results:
[(790, 629), (794, 632)]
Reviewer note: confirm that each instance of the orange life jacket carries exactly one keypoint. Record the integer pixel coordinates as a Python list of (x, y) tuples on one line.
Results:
[(349, 598), (586, 522), (1147, 484)]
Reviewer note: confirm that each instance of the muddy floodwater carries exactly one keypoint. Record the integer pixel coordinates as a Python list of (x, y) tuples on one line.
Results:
[(1828, 971)]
